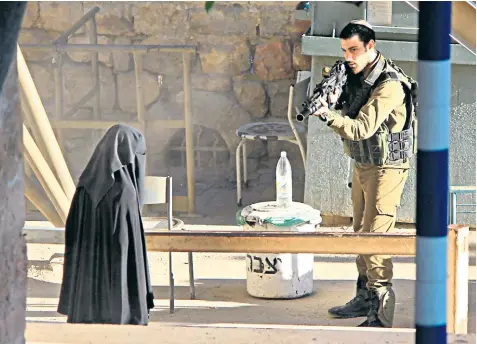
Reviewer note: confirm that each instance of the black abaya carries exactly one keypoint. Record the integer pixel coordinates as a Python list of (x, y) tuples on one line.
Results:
[(106, 275)]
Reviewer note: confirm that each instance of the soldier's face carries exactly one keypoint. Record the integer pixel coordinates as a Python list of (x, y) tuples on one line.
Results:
[(356, 53)]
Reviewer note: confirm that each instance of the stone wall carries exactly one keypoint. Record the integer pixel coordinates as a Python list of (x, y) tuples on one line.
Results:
[(248, 54)]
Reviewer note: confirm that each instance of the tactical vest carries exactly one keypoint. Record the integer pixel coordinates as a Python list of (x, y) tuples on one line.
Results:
[(384, 147)]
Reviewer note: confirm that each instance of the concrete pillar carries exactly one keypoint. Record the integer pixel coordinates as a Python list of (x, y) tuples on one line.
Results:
[(13, 260), (434, 77)]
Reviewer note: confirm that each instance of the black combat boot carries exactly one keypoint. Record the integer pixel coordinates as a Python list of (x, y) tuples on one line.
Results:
[(358, 306), (382, 302)]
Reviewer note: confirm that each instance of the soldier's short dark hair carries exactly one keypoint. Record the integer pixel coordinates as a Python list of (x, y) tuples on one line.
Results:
[(364, 32)]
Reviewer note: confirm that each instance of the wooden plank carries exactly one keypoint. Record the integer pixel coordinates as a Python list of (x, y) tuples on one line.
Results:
[(281, 242)]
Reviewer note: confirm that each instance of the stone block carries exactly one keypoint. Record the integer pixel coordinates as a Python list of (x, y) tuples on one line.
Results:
[(164, 63), (278, 92), (127, 90), (165, 18), (32, 13), (220, 112), (273, 61), (78, 81), (44, 81), (36, 36), (251, 96), (226, 59), (111, 20), (300, 62), (60, 16), (224, 20), (122, 61), (211, 82), (84, 57)]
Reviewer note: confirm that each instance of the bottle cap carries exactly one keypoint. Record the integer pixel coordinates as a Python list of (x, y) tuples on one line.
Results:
[(283, 154)]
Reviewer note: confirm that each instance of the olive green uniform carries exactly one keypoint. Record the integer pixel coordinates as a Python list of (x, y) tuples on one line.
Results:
[(376, 187)]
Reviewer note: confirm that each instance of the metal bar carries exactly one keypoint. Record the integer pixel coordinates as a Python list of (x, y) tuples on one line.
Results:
[(201, 148), (189, 133), (41, 121), (76, 26), (191, 276), (169, 228), (171, 124), (292, 124), (453, 201), (281, 242), (188, 49), (139, 94), (45, 176), (93, 39), (75, 107), (58, 75), (237, 170)]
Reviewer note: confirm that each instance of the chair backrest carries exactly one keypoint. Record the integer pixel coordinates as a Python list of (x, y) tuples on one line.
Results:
[(156, 190)]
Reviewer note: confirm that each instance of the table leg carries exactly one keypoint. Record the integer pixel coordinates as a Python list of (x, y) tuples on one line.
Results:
[(453, 208), (244, 152), (237, 167)]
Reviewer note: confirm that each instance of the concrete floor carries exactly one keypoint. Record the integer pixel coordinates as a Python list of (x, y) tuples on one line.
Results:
[(223, 311), (222, 299)]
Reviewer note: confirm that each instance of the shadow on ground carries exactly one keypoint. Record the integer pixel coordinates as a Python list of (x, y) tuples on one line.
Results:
[(226, 301)]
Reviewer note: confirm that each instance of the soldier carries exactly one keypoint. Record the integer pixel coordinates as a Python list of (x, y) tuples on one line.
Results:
[(377, 127)]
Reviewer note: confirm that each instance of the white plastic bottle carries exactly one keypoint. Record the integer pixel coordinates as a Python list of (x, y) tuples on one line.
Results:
[(284, 181)]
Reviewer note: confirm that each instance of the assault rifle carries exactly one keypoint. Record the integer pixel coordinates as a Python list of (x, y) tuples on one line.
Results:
[(333, 78)]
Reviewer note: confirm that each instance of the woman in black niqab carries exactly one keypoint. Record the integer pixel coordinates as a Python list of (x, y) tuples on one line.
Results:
[(106, 274)]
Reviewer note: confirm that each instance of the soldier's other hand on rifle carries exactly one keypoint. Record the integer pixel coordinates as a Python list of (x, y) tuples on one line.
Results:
[(323, 110)]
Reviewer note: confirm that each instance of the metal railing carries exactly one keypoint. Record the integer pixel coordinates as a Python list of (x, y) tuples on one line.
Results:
[(453, 205), (61, 45)]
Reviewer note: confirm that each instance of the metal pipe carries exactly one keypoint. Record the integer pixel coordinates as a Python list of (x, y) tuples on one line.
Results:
[(139, 94), (93, 36), (82, 21), (292, 124), (46, 177), (58, 75), (93, 39), (43, 204), (76, 107), (434, 77), (189, 133), (191, 49), (87, 124), (169, 228), (41, 121)]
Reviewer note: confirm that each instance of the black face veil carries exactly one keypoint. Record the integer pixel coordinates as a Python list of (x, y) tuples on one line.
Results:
[(122, 145)]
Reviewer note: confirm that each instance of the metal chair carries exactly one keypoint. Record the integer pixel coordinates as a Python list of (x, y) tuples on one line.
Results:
[(158, 190)]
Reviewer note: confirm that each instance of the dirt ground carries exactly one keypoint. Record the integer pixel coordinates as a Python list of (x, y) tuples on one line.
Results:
[(221, 295), (220, 279)]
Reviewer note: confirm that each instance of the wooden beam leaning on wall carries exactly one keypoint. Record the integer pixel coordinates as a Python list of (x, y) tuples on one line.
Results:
[(336, 242), (41, 123)]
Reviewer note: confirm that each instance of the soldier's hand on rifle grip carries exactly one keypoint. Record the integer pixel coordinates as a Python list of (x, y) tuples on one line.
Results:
[(323, 110)]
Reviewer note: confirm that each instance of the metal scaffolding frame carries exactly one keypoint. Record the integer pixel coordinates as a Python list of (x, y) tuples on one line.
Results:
[(42, 127)]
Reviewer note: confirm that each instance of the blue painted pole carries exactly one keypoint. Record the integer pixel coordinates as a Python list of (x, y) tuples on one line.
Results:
[(434, 77)]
